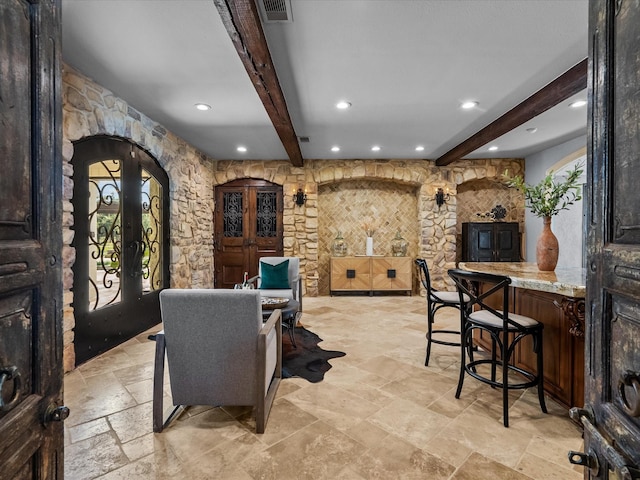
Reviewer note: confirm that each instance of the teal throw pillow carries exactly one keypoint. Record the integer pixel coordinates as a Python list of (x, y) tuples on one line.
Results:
[(274, 276)]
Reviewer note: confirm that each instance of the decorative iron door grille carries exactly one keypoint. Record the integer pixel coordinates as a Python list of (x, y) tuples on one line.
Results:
[(248, 225), (121, 238)]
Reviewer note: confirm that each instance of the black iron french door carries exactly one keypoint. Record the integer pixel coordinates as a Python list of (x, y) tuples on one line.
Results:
[(121, 223)]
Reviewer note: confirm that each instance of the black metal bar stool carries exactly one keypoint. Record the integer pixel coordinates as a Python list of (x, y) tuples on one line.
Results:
[(435, 301), (506, 331)]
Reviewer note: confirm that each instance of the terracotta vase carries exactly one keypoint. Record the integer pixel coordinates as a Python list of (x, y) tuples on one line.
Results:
[(547, 248)]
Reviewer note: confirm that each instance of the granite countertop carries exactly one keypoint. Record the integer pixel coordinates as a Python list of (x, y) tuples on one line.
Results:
[(563, 281)]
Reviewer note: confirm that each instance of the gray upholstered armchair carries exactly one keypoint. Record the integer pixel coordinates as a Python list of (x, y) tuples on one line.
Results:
[(275, 282), (219, 352)]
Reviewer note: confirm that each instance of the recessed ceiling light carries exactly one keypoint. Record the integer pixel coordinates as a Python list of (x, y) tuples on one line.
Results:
[(419, 148), (203, 106), (342, 105), (578, 104), (532, 130), (375, 148), (241, 149), (492, 148), (469, 105), (335, 149)]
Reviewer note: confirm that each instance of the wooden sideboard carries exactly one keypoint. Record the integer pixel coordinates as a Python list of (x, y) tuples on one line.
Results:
[(555, 299), (371, 274)]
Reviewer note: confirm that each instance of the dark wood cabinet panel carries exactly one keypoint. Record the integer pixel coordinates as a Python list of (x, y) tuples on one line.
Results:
[(490, 242), (31, 444)]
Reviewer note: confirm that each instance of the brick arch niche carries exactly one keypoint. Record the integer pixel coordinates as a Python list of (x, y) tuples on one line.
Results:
[(345, 205)]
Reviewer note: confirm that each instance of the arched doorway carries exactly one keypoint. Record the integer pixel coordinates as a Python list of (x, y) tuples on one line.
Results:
[(121, 222)]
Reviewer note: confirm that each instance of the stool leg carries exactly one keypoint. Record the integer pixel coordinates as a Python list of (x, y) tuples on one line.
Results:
[(430, 320), (505, 388), (540, 366), (494, 360), (463, 360)]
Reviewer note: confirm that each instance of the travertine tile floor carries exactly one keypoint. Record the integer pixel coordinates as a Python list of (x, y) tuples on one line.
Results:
[(379, 413)]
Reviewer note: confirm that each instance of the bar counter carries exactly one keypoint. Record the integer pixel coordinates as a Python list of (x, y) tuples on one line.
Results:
[(555, 299), (563, 281)]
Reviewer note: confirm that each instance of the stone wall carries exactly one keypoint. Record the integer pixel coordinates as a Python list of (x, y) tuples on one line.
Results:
[(386, 186), (306, 232), (89, 110)]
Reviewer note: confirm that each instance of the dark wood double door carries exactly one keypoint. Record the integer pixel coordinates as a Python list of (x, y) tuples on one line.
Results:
[(248, 225)]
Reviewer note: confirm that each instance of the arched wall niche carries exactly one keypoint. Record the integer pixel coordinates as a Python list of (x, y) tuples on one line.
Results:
[(345, 205), (476, 198)]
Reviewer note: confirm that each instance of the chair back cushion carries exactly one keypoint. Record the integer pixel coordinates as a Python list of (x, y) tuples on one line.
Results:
[(293, 271), (211, 338), (274, 276)]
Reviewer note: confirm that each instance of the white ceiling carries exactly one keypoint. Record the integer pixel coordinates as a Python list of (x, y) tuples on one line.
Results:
[(405, 65)]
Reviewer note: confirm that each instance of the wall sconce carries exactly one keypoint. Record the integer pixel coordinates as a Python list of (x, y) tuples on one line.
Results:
[(441, 197), (300, 197)]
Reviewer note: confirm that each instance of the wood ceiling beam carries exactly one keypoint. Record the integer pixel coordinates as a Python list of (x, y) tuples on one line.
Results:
[(242, 21), (569, 83)]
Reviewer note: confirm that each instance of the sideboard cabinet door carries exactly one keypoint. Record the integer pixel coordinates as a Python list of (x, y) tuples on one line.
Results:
[(490, 242)]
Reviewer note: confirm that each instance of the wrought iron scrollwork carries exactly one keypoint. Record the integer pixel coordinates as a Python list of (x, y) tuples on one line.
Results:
[(267, 214), (151, 258), (105, 243), (232, 214)]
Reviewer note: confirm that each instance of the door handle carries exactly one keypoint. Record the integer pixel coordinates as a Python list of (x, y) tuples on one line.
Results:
[(632, 380), (55, 413), (600, 445), (7, 374), (136, 266)]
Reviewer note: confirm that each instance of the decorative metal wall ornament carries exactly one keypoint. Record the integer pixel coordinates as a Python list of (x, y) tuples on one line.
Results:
[(498, 213)]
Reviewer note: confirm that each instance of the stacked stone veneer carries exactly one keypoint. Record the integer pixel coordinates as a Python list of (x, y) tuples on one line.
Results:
[(310, 229), (398, 193), (89, 110)]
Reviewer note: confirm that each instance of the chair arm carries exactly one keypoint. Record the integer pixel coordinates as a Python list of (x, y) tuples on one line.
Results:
[(254, 280), (298, 292), (275, 320), (158, 381)]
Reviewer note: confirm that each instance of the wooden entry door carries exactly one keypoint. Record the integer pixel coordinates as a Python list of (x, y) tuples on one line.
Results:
[(121, 223), (611, 416), (31, 440), (248, 226)]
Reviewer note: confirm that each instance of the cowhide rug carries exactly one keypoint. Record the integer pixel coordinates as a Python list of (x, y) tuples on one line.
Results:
[(308, 360)]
